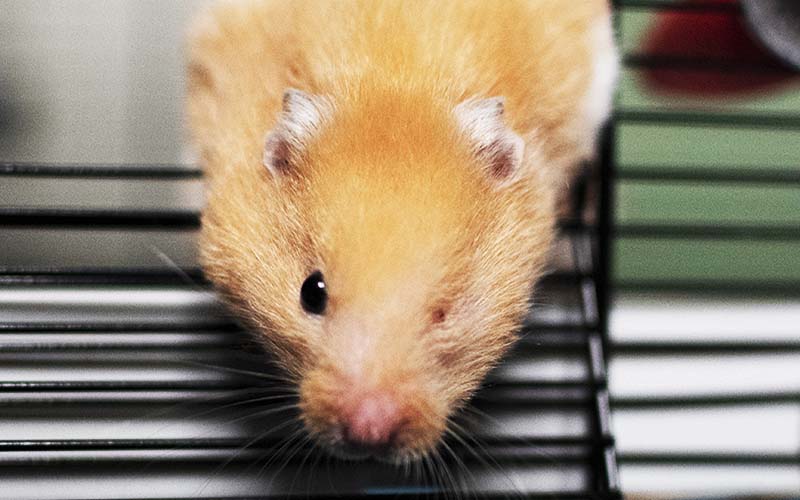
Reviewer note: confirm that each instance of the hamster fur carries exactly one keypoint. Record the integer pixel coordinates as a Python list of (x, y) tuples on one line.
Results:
[(411, 151)]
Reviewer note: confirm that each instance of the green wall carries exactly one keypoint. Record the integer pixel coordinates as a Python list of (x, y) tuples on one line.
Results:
[(745, 151)]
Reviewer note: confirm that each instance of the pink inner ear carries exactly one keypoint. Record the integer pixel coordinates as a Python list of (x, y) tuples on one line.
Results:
[(500, 157), (277, 153), (503, 155)]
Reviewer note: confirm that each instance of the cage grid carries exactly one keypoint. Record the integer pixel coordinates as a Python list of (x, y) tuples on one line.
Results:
[(129, 381)]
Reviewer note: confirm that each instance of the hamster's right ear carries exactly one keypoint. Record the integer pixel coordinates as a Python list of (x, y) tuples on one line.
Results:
[(301, 118), (498, 148)]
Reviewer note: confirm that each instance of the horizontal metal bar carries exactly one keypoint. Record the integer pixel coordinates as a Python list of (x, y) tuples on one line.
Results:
[(194, 456), (688, 402), (223, 325), (98, 276), (704, 347), (709, 6), (86, 218), (566, 348), (126, 385), (210, 345), (412, 493), (199, 396), (494, 398), (101, 171), (707, 459), (219, 358), (712, 287), (142, 346), (530, 331), (592, 385), (667, 116), (168, 276), (188, 443), (242, 382), (704, 64), (117, 444), (576, 326), (537, 451), (780, 178), (568, 341), (668, 230), (533, 396), (109, 348)]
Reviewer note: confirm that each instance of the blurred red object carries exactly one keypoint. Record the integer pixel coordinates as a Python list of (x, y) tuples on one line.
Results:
[(708, 54)]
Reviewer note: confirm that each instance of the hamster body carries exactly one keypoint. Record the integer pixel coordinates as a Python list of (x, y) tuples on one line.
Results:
[(382, 186)]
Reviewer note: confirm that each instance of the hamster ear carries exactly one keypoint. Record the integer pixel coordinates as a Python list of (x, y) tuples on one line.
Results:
[(495, 145), (301, 118)]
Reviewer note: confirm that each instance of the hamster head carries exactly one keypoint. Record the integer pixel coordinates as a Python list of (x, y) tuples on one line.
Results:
[(384, 247)]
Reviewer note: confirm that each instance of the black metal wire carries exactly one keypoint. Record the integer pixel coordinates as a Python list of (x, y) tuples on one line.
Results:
[(129, 171), (91, 327), (712, 287), (753, 346), (699, 232), (788, 178), (68, 217), (684, 459), (674, 63), (100, 276), (704, 401), (729, 119), (397, 493)]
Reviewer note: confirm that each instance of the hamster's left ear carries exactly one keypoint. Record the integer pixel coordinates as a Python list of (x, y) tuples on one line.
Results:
[(495, 145), (301, 118)]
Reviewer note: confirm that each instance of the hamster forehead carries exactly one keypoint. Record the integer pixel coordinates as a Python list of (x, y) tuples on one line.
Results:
[(383, 248), (392, 223)]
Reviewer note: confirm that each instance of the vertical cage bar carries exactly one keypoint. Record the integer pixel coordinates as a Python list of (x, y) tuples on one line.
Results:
[(604, 227)]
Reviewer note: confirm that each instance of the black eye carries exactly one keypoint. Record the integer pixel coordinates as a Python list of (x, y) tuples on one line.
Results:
[(313, 295)]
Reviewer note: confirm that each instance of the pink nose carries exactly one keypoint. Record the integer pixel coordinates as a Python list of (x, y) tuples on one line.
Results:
[(373, 422)]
